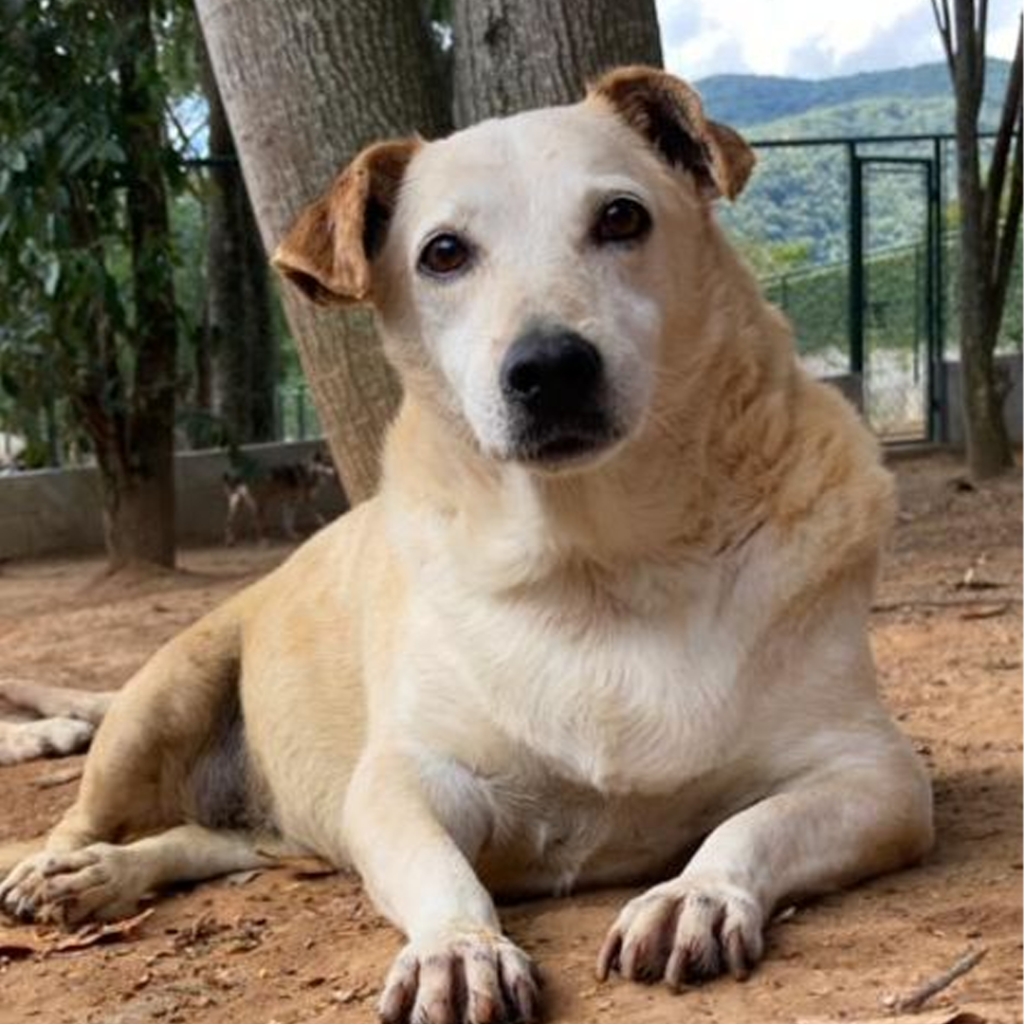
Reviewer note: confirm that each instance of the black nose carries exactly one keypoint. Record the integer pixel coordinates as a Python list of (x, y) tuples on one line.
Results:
[(552, 373)]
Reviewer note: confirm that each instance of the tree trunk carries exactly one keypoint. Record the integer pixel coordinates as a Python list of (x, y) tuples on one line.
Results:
[(238, 326), (981, 293), (988, 446), (511, 55), (141, 510), (131, 504), (306, 85)]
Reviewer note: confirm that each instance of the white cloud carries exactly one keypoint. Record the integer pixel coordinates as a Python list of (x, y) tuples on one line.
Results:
[(810, 38)]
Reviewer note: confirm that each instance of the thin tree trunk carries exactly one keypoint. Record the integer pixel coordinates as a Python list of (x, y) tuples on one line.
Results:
[(260, 333), (515, 54), (987, 443), (982, 292), (984, 393), (238, 325), (306, 85), (141, 507)]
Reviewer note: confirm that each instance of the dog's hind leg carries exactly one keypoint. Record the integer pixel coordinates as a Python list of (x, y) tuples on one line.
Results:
[(66, 720), (289, 515), (105, 882), (56, 701), (46, 737), (139, 776), (234, 505)]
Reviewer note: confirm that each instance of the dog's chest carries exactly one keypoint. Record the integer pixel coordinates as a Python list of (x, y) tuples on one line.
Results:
[(626, 698)]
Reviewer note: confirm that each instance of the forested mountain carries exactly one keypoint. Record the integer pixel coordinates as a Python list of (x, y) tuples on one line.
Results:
[(796, 209), (755, 100)]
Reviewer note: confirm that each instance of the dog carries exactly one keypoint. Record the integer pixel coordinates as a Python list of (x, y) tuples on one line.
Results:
[(605, 621), (293, 487)]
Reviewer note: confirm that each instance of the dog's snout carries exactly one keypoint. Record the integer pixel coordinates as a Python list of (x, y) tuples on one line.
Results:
[(552, 373)]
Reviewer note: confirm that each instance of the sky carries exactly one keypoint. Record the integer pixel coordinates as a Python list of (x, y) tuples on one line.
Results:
[(811, 38)]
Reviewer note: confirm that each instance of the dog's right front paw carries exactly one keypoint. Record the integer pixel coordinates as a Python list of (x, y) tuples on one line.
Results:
[(463, 977), (72, 886)]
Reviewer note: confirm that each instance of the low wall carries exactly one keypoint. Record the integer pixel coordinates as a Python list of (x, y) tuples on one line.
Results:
[(1013, 409), (852, 386), (51, 510)]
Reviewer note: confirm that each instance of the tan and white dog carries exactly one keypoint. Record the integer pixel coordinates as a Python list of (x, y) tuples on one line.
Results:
[(606, 618)]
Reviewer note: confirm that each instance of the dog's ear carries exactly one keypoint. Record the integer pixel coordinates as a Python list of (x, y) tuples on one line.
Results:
[(669, 115), (328, 252)]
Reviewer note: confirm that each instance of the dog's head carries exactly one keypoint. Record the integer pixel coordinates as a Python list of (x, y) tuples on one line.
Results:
[(526, 270)]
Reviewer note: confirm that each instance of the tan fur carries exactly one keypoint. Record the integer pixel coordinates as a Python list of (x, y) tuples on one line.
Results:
[(650, 103), (323, 254), (498, 678)]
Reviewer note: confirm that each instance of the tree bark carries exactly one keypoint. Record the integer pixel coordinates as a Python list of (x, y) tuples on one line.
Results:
[(140, 504), (981, 293), (512, 55), (306, 85), (238, 326)]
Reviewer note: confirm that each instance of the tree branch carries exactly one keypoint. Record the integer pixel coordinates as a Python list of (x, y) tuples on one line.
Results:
[(969, 81), (945, 33), (1001, 152), (1007, 243), (979, 42)]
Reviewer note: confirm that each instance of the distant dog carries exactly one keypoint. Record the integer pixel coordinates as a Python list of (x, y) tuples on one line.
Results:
[(292, 488), (605, 622)]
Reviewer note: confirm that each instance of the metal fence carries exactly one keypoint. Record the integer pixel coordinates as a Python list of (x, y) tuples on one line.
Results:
[(296, 414), (876, 294)]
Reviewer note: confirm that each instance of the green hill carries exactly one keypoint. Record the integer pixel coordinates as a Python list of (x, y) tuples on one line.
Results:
[(747, 100), (797, 204)]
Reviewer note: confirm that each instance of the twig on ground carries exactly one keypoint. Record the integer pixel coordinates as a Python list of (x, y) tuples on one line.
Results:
[(991, 612), (58, 778), (911, 603), (915, 1000), (972, 581)]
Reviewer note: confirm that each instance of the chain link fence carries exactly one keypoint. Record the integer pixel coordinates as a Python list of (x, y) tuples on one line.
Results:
[(889, 237), (297, 418)]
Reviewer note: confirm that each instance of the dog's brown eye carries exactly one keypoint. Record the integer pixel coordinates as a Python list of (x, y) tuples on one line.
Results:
[(622, 220), (444, 254)]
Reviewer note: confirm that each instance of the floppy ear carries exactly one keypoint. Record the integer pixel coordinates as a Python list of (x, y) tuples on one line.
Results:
[(669, 115), (327, 253)]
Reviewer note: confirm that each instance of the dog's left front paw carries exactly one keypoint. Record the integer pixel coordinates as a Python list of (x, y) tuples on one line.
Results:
[(462, 977), (684, 931)]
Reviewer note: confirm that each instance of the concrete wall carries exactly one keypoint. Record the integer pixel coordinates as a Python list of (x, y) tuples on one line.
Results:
[(852, 386), (1013, 410), (52, 510)]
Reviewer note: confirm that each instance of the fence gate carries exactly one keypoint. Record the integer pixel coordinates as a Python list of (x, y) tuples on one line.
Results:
[(895, 287)]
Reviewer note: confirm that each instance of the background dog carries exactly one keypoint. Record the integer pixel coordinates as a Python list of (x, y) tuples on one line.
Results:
[(257, 490), (606, 621)]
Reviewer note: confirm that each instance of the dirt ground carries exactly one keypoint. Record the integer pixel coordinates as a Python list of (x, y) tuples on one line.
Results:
[(285, 948)]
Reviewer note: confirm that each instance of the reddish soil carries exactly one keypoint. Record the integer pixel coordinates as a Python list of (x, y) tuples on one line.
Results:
[(288, 949)]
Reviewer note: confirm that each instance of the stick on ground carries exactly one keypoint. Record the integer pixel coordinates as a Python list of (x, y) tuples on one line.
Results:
[(913, 1001)]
